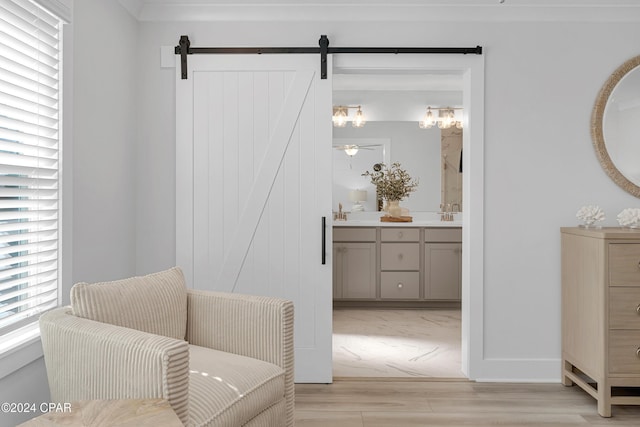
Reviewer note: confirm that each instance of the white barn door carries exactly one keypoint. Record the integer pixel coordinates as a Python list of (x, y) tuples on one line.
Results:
[(253, 176)]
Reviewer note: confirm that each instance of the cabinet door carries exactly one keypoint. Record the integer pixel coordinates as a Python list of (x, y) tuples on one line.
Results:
[(355, 270), (443, 271)]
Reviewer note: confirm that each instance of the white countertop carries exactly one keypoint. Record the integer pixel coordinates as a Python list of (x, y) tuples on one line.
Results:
[(420, 219)]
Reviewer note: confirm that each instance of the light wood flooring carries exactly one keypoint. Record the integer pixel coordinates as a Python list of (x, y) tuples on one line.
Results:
[(380, 403)]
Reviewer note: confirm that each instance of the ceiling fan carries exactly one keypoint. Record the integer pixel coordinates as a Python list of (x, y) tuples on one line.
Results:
[(351, 150)]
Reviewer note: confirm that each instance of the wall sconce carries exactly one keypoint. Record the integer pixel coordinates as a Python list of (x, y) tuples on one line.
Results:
[(445, 120), (357, 196), (339, 118), (341, 113)]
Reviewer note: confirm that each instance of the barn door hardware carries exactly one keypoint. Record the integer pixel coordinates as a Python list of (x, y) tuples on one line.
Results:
[(184, 49)]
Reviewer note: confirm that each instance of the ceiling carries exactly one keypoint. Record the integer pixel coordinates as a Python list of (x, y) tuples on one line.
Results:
[(384, 10)]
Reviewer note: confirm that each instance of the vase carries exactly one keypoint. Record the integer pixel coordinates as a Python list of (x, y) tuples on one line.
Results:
[(393, 208)]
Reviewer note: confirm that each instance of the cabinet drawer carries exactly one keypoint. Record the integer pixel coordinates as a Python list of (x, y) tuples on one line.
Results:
[(400, 256), (400, 235), (400, 285), (359, 234), (623, 352), (443, 235), (624, 308), (624, 264)]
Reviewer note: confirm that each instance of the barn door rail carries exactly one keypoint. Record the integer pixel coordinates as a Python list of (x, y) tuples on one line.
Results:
[(184, 49)]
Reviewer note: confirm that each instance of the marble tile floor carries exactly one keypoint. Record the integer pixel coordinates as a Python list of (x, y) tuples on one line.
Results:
[(396, 343)]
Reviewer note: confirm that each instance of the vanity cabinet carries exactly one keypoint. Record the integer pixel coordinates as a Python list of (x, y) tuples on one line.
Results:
[(397, 264), (400, 263), (443, 264), (443, 271), (601, 313), (354, 263)]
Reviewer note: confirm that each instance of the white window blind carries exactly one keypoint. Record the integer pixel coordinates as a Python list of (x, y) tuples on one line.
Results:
[(30, 65)]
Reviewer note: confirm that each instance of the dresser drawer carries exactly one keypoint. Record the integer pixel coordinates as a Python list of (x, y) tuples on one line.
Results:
[(400, 256), (624, 264), (400, 234), (624, 308), (400, 285), (443, 235), (356, 234), (624, 347)]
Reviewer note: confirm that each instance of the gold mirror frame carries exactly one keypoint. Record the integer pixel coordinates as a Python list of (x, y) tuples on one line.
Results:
[(597, 134)]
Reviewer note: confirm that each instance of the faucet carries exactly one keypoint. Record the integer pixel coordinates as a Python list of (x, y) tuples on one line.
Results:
[(446, 214)]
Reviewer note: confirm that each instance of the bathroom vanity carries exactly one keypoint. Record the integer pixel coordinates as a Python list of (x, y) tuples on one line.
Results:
[(401, 264)]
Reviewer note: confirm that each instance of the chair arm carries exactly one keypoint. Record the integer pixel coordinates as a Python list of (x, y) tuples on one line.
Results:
[(89, 360), (252, 326)]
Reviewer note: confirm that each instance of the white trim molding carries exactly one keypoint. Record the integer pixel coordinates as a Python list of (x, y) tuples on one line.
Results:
[(385, 11)]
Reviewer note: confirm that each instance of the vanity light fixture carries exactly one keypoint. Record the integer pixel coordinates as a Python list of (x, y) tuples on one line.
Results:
[(341, 113), (359, 121), (339, 118), (427, 121), (445, 120)]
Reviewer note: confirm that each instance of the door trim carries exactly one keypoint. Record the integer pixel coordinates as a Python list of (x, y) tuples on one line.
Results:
[(471, 67)]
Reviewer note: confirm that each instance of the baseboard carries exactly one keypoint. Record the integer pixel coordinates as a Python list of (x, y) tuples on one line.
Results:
[(400, 379), (397, 304), (518, 370)]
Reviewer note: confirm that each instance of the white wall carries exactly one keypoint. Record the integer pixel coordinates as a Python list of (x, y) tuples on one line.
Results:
[(540, 166), (105, 139), (27, 385)]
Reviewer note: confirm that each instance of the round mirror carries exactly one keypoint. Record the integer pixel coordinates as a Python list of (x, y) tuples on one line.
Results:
[(615, 126)]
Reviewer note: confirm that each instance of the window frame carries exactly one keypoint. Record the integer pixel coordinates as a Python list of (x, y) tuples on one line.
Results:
[(22, 346)]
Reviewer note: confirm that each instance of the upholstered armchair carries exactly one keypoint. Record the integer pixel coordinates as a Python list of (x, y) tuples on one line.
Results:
[(219, 359)]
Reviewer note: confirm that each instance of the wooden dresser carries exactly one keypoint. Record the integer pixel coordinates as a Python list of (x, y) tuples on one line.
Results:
[(601, 314)]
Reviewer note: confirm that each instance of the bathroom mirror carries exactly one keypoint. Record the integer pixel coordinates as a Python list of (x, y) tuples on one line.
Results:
[(615, 126), (393, 105)]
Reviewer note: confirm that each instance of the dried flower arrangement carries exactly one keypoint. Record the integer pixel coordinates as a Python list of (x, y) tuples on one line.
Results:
[(392, 183)]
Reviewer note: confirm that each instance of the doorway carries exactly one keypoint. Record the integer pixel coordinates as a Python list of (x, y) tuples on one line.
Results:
[(463, 324)]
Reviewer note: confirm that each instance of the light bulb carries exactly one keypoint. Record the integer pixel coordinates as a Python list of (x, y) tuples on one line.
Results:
[(351, 150), (447, 119), (359, 120), (340, 117), (427, 121)]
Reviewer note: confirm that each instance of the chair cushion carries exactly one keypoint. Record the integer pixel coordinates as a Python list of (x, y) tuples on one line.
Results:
[(226, 389), (156, 303)]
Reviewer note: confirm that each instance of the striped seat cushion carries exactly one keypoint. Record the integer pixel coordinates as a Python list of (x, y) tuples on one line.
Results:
[(156, 303), (230, 390)]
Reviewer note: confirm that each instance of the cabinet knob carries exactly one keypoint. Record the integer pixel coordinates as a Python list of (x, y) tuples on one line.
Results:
[(400, 285), (638, 309), (400, 236), (400, 256), (638, 352)]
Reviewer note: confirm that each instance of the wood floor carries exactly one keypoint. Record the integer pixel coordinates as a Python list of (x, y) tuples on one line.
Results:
[(386, 403)]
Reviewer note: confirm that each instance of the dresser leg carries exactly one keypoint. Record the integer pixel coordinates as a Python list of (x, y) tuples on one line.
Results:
[(604, 400), (566, 367)]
